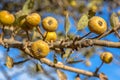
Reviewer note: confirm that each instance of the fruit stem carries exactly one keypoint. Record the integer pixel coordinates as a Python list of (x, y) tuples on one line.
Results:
[(99, 67), (45, 36), (38, 28), (3, 31), (28, 35), (116, 32), (12, 33), (86, 35), (81, 38)]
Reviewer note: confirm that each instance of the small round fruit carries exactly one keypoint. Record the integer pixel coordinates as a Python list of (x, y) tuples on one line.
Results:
[(50, 36), (33, 19), (40, 49), (106, 57), (73, 3), (3, 12), (97, 25), (50, 24), (94, 8), (6, 18)]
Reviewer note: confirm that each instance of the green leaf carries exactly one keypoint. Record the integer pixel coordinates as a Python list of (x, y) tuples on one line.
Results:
[(114, 20), (67, 24), (28, 6), (83, 22)]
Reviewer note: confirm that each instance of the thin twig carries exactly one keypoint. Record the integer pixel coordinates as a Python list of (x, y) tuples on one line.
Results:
[(38, 28), (28, 35), (97, 70), (45, 36), (116, 32), (64, 67), (16, 63), (108, 32)]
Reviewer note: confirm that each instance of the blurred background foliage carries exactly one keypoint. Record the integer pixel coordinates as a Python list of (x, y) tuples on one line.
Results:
[(77, 10)]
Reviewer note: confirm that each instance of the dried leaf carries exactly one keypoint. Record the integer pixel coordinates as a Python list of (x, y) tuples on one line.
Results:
[(61, 75), (39, 68), (67, 24), (9, 62), (70, 60), (67, 53), (114, 20), (87, 63), (83, 22), (102, 76), (55, 59)]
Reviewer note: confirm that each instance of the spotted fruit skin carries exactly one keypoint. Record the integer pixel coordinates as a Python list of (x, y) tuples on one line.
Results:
[(97, 25), (50, 24), (50, 36), (106, 57), (33, 19), (40, 49), (6, 18)]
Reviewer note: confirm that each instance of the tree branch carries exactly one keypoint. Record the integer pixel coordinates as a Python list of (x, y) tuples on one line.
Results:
[(63, 44), (67, 44), (62, 66)]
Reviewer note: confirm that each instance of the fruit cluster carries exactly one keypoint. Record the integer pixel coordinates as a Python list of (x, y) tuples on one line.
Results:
[(50, 24), (40, 48)]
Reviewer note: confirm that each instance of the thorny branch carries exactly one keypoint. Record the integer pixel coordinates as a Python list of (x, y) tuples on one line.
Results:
[(67, 44), (64, 44)]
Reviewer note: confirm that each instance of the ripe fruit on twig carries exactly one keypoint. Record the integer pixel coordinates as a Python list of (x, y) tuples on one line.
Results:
[(33, 19), (50, 24), (97, 25), (73, 3), (50, 36), (106, 57), (40, 49), (6, 18)]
